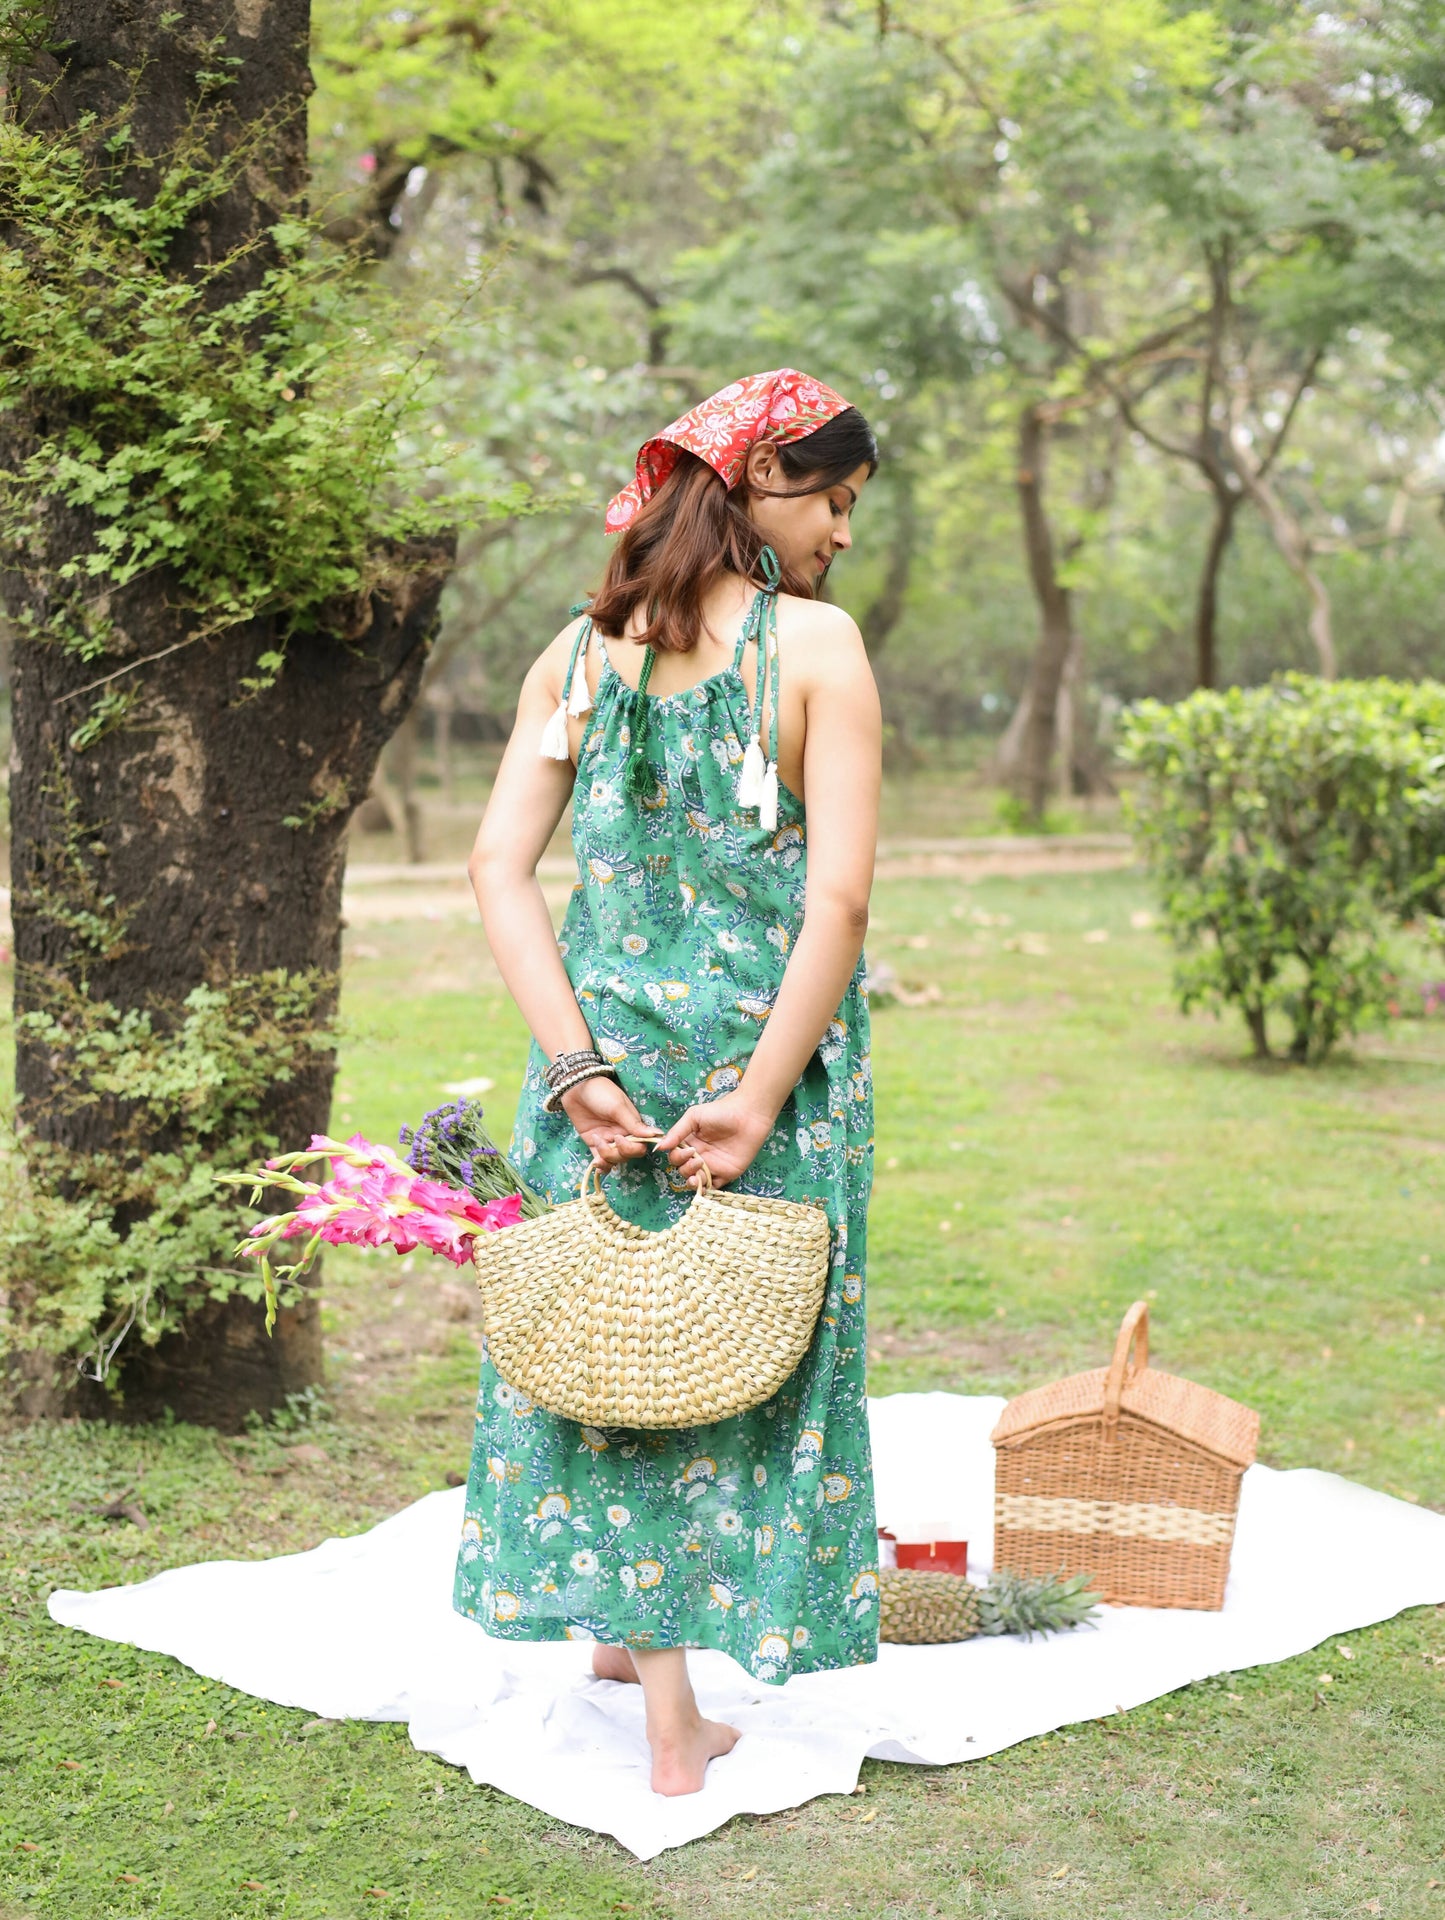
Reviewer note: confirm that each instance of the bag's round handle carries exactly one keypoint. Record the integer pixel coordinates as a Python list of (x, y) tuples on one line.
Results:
[(596, 1167), (1134, 1332)]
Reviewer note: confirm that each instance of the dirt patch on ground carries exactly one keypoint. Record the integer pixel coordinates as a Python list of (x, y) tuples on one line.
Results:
[(377, 892), (1005, 858), (996, 1351)]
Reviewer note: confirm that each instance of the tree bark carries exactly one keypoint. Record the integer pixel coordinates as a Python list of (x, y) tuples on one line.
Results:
[(1293, 541), (395, 786), (1056, 625), (446, 763), (207, 831), (1078, 764), (1206, 604), (885, 610)]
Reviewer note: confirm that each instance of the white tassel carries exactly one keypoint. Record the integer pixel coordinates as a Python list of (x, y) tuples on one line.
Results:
[(750, 779), (768, 801), (554, 736), (581, 700)]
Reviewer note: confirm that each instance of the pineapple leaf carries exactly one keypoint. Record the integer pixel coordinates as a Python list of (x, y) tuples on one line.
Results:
[(1022, 1604)]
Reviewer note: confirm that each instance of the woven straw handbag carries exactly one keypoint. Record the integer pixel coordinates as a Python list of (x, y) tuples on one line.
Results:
[(1126, 1474), (611, 1325)]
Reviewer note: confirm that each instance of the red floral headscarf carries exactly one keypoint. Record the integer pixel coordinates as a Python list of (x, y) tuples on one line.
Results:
[(776, 407)]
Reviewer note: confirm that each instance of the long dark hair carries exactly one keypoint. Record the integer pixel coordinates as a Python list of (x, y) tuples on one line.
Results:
[(692, 530)]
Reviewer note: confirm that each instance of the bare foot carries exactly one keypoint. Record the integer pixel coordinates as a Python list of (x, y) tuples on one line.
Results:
[(680, 1756), (613, 1663)]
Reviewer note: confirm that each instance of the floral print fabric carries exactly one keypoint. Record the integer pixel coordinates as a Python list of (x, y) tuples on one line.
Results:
[(755, 1535), (778, 407)]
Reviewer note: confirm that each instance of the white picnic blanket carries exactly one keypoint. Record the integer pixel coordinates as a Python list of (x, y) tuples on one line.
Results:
[(363, 1628)]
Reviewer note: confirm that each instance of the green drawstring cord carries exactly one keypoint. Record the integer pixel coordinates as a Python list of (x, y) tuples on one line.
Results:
[(639, 780)]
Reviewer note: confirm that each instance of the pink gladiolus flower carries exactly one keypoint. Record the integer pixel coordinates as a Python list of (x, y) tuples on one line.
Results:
[(502, 1213), (374, 1200)]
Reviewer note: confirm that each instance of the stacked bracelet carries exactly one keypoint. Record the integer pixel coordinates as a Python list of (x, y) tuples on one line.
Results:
[(564, 1062), (564, 1083), (568, 1068)]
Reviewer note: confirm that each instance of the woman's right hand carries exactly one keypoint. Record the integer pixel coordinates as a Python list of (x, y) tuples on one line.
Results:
[(605, 1118)]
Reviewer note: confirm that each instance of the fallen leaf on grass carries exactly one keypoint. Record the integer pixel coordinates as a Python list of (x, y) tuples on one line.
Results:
[(130, 1879), (292, 1815), (70, 1766), (169, 1807), (864, 1818), (31, 1846), (252, 1886), (1372, 1906), (1059, 1873), (456, 1479), (377, 1893), (210, 1726)]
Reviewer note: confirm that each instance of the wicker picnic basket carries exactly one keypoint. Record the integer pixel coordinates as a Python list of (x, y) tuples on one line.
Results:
[(1126, 1474), (612, 1325)]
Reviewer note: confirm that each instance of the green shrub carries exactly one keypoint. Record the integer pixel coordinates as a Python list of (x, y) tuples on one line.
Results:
[(1291, 828), (103, 1249)]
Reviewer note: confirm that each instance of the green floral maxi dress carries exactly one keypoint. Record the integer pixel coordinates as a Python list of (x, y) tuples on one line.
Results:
[(755, 1535)]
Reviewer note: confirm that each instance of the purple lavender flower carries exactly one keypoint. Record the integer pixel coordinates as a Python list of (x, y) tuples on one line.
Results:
[(451, 1143)]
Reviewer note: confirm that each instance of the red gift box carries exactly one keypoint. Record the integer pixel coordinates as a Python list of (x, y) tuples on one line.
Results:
[(928, 1556)]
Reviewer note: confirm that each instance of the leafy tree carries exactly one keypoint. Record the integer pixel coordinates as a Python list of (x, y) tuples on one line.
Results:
[(1298, 225), (588, 103), (219, 614)]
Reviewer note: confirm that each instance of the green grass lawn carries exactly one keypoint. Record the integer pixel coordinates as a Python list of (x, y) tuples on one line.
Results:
[(1054, 1140)]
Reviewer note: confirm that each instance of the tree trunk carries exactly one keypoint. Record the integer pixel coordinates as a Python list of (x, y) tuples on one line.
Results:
[(398, 788), (1293, 541), (882, 615), (1206, 604), (1056, 629), (1078, 765), (204, 835), (884, 611), (182, 821), (446, 762)]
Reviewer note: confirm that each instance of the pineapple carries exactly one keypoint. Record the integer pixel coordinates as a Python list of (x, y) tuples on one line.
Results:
[(924, 1609)]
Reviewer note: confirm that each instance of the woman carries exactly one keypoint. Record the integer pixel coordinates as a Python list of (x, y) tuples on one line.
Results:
[(717, 731)]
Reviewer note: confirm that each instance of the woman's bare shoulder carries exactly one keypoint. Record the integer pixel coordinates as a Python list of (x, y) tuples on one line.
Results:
[(549, 669), (816, 638)]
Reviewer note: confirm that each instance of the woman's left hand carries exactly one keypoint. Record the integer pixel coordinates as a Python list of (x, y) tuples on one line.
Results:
[(726, 1133)]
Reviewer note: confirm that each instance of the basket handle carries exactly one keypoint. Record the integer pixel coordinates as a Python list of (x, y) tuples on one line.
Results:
[(596, 1167), (1133, 1332)]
